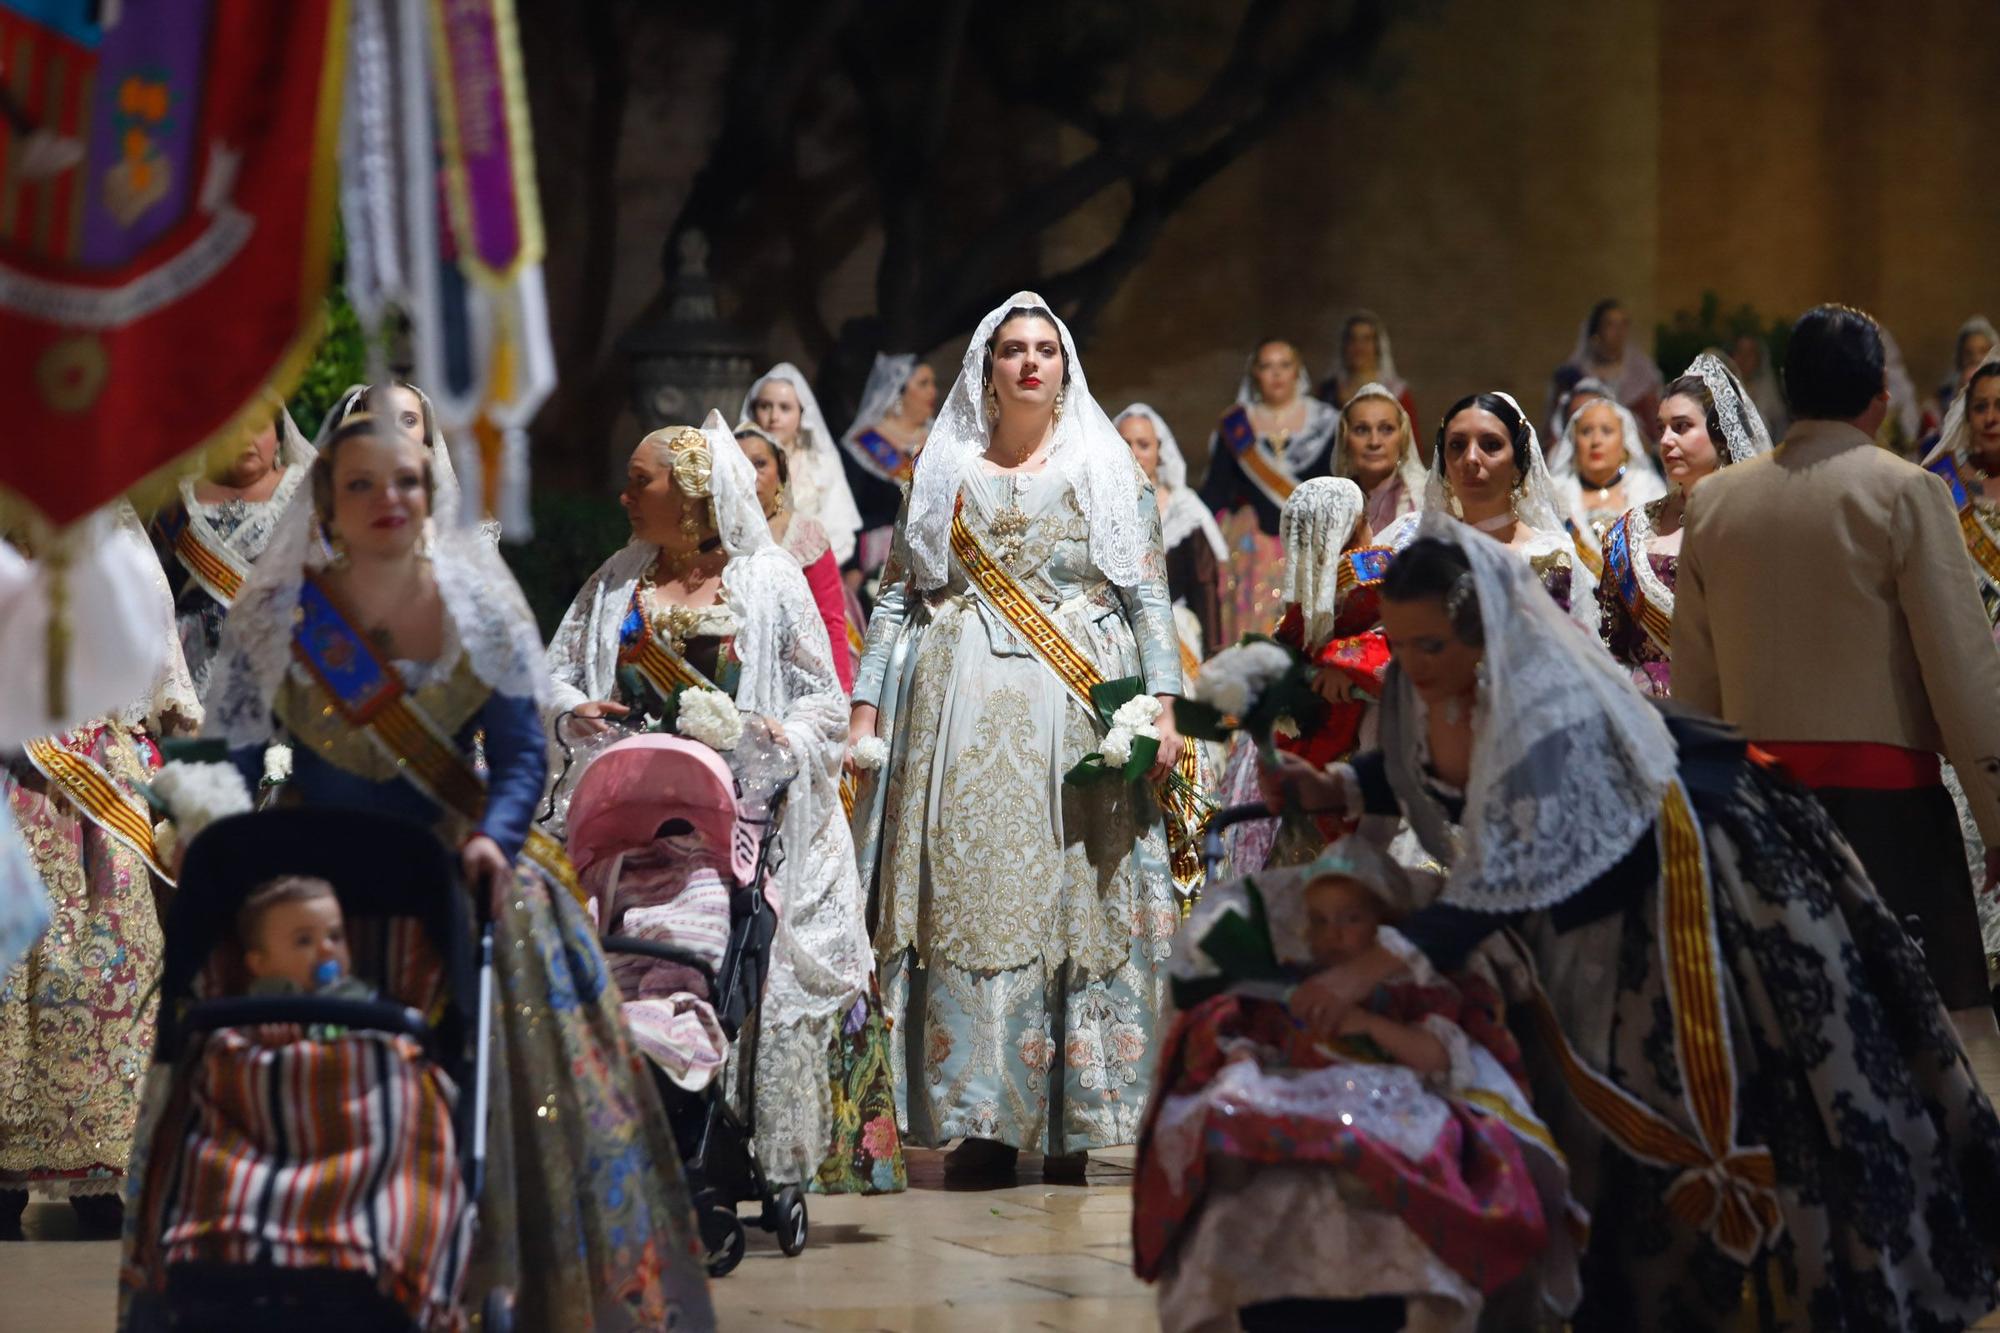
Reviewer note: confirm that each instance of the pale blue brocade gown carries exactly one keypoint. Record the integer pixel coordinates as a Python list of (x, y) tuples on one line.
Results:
[(1022, 925)]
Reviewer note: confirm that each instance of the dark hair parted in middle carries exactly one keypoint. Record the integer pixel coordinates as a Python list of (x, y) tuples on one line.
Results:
[(1429, 568), (1511, 421), (1834, 365), (1024, 312)]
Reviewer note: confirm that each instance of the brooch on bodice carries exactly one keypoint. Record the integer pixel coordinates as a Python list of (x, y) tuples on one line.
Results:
[(1009, 527)]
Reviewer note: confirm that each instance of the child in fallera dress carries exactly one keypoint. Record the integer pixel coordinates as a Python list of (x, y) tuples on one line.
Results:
[(1392, 1176)]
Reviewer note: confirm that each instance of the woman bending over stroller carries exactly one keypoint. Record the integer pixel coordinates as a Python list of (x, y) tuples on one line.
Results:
[(379, 663)]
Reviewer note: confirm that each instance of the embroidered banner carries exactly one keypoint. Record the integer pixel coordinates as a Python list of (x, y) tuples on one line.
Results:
[(166, 205), (484, 138)]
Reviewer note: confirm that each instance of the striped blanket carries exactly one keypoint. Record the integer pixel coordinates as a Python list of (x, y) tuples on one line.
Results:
[(336, 1154)]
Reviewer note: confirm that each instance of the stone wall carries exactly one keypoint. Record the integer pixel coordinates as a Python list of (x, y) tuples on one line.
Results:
[(1514, 161)]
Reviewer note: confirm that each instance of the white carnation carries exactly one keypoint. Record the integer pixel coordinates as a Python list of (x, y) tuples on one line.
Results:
[(1141, 710), (871, 752), (1235, 678), (709, 716), (277, 765), (1117, 748), (197, 795)]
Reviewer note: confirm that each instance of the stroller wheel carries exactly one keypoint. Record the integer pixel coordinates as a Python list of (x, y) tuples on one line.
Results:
[(496, 1315), (791, 1220), (723, 1235)]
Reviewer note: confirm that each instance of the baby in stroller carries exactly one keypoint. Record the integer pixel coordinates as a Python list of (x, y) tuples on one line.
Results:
[(312, 1145), (1393, 1177)]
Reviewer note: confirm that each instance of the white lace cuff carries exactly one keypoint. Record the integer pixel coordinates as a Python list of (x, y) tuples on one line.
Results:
[(1464, 1070)]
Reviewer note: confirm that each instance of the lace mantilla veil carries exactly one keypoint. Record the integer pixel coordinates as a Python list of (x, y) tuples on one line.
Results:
[(1185, 512), (1411, 466), (1562, 458), (1315, 526), (1534, 504), (486, 616), (1321, 420), (819, 483), (1955, 436), (444, 475), (1743, 429), (886, 378), (1569, 761), (1087, 447)]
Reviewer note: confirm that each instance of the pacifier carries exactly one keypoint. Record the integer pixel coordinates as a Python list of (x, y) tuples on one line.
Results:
[(326, 974)]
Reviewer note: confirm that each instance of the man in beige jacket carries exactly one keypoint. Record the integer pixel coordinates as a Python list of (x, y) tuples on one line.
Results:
[(1824, 606)]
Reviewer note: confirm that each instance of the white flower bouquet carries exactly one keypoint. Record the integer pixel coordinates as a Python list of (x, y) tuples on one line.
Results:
[(193, 794), (708, 716), (1259, 686), (870, 753), (1132, 736)]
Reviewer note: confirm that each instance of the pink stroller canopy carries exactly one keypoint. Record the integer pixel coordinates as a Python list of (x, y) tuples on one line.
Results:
[(636, 785)]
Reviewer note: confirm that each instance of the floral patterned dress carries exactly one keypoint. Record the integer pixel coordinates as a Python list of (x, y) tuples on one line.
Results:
[(76, 1014), (1021, 924)]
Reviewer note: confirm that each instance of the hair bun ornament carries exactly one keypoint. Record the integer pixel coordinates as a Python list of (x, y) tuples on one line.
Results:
[(693, 464), (1459, 595)]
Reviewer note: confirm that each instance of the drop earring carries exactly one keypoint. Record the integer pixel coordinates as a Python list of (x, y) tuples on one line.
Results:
[(1060, 403), (992, 407)]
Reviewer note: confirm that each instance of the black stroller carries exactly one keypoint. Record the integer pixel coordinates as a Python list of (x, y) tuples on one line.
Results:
[(235, 1259), (677, 801)]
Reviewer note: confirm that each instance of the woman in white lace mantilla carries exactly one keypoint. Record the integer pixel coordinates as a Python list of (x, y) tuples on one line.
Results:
[(882, 445), (1487, 471), (703, 596), (1022, 922), (782, 405), (1601, 469), (1375, 447), (1196, 553), (212, 532), (1719, 995), (1274, 436), (1707, 422), (76, 1012), (370, 559)]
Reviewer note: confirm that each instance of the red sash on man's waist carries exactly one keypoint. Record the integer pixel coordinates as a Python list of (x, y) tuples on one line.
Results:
[(1856, 765)]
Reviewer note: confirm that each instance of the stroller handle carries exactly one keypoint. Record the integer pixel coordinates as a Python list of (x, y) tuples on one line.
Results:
[(1229, 816), (665, 953), (242, 1011)]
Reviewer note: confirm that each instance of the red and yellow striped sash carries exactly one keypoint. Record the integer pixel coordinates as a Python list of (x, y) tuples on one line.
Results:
[(209, 567), (99, 798), (1722, 1188), (1186, 809), (1979, 543)]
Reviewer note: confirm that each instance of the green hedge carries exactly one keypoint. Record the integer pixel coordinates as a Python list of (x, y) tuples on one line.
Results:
[(1692, 332), (573, 536)]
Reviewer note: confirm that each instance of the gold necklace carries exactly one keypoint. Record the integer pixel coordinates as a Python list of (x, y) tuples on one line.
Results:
[(675, 623)]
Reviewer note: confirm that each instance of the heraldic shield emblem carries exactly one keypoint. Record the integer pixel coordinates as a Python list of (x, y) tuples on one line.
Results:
[(167, 199)]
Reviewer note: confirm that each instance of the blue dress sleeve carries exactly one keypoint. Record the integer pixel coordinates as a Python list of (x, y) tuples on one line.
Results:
[(517, 765), (249, 761)]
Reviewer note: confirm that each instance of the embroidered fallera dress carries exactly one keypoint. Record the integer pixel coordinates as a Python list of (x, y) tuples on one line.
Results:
[(1021, 924)]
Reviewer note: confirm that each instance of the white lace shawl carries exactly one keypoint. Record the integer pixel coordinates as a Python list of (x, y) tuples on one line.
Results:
[(448, 500), (819, 483), (1744, 433), (1087, 447), (1306, 444), (173, 685), (1643, 482), (1409, 464), (1955, 436), (1569, 761), (487, 617), (821, 960), (1316, 524), (886, 379), (247, 540), (1185, 514)]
